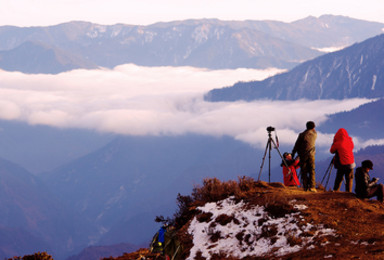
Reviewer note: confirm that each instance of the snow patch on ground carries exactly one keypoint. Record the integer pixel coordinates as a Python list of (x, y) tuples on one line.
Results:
[(249, 231)]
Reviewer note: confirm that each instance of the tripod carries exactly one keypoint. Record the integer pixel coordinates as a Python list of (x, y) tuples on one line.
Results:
[(328, 173), (268, 149)]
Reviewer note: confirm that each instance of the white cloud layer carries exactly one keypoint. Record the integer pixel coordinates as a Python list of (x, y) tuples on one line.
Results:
[(136, 100)]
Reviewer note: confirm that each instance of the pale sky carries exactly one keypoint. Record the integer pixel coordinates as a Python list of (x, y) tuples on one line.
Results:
[(144, 12)]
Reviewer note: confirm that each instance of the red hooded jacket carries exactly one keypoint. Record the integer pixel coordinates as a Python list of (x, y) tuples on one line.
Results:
[(343, 145), (290, 179)]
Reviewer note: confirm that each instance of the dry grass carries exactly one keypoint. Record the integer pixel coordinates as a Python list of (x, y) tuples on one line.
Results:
[(214, 190), (36, 256)]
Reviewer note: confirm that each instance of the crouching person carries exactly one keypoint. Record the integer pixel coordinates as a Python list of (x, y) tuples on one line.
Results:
[(365, 186), (289, 173)]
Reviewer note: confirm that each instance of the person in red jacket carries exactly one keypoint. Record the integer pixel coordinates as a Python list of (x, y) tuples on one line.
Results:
[(290, 177), (344, 160)]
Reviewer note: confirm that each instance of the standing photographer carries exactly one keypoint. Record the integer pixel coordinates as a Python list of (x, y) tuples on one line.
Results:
[(344, 160), (305, 147)]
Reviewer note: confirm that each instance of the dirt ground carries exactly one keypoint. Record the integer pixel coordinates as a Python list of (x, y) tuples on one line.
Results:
[(359, 225)]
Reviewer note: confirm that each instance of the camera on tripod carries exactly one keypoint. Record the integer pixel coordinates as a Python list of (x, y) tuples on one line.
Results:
[(268, 149)]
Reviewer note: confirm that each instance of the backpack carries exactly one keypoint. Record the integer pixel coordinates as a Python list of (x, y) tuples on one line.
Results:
[(166, 242)]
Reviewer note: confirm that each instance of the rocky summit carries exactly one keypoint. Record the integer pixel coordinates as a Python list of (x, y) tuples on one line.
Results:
[(248, 219)]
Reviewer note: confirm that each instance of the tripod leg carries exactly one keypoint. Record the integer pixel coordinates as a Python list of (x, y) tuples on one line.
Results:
[(329, 175), (275, 146), (262, 162), (325, 174), (269, 162)]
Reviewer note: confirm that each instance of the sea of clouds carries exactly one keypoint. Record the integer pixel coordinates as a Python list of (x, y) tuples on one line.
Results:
[(136, 100)]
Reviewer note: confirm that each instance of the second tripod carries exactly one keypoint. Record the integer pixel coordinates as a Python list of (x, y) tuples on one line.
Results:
[(327, 173)]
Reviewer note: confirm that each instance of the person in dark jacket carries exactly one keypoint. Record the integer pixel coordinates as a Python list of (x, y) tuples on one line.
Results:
[(305, 147), (344, 160), (365, 186)]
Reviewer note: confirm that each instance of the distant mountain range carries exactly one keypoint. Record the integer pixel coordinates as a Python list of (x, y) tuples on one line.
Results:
[(354, 72), (207, 43), (38, 57)]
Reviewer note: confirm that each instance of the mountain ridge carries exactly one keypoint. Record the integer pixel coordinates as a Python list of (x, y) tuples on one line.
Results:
[(29, 53), (230, 44), (354, 72)]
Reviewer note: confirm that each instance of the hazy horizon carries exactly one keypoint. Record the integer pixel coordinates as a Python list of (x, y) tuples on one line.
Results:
[(45, 12)]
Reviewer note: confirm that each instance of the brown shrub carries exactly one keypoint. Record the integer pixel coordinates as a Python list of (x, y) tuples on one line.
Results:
[(212, 225), (294, 240), (278, 211), (240, 236), (36, 256), (214, 190), (199, 256), (204, 217), (222, 256), (247, 239), (215, 236), (224, 219), (278, 206), (268, 231), (184, 212), (261, 221)]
